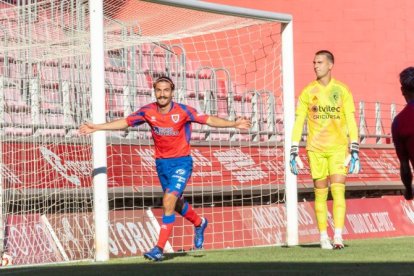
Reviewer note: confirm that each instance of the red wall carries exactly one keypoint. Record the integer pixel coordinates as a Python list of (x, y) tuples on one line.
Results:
[(372, 41)]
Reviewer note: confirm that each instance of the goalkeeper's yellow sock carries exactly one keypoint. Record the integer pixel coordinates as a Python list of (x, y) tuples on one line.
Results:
[(339, 204), (321, 208)]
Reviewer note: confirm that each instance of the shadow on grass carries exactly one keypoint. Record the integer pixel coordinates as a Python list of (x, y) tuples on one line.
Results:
[(266, 268), (315, 245)]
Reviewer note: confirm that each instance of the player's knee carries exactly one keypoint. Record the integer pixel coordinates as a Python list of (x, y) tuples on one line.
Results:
[(338, 191), (169, 201), (321, 194), (180, 205)]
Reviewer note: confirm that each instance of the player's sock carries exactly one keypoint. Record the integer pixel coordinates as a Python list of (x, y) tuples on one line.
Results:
[(338, 242), (321, 209), (324, 235), (325, 241), (189, 214), (339, 204), (166, 228), (338, 232)]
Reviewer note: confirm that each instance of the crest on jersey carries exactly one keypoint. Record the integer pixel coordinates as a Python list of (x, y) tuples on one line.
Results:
[(334, 98), (175, 118)]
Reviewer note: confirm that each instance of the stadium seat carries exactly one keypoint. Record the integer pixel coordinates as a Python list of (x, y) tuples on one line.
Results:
[(14, 100), (143, 85), (143, 59), (51, 100), (119, 80), (22, 124), (221, 89), (190, 87), (222, 110), (115, 103), (192, 67), (51, 124), (158, 63)]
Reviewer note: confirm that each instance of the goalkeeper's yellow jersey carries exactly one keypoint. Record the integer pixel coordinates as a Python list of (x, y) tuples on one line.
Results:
[(330, 114)]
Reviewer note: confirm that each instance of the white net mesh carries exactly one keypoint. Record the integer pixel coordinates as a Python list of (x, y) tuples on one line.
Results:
[(226, 65)]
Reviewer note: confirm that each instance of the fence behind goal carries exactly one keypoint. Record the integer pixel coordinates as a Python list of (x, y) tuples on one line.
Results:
[(225, 64)]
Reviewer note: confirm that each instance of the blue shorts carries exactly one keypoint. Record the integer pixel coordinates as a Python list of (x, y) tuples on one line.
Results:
[(174, 173)]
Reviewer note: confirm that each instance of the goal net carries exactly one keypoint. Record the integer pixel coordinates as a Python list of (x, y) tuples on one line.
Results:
[(228, 65)]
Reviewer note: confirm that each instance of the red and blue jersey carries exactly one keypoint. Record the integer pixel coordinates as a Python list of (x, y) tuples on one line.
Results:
[(172, 131), (403, 133)]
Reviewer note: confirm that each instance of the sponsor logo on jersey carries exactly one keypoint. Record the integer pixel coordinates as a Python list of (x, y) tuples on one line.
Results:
[(326, 108), (165, 131), (329, 112)]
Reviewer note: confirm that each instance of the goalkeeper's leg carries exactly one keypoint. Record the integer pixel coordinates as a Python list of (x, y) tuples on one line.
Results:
[(319, 170), (339, 209), (321, 213), (337, 178)]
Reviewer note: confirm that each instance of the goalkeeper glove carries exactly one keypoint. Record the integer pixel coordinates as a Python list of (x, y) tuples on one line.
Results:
[(295, 161), (353, 159)]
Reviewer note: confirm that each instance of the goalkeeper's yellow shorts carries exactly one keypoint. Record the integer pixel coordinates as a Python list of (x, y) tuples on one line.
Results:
[(323, 164)]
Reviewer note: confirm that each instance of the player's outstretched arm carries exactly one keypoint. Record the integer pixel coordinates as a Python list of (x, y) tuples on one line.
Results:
[(240, 123), (88, 128)]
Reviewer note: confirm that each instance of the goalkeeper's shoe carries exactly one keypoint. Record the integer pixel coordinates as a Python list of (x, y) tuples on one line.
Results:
[(338, 243), (154, 254), (326, 244), (199, 234)]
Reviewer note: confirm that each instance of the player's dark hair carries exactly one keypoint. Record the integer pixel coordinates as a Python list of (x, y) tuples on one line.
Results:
[(164, 79), (327, 54), (407, 80)]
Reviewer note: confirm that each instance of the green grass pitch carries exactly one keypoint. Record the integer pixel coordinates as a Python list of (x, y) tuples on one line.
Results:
[(386, 256)]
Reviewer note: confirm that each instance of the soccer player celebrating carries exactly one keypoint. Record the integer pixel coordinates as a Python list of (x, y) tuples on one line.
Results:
[(328, 106), (170, 124), (403, 131)]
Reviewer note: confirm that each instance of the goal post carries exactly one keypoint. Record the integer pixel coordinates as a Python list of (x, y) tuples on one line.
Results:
[(99, 156), (291, 187), (66, 196)]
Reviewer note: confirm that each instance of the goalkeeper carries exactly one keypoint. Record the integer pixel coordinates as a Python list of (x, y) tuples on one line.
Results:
[(403, 132), (332, 143)]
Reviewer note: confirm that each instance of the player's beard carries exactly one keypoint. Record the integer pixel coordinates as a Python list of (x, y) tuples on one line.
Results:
[(161, 105)]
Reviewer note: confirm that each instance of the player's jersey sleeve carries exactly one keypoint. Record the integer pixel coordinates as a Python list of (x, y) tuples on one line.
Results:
[(194, 115), (300, 116), (349, 111), (138, 117)]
